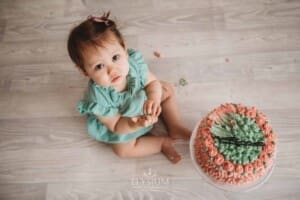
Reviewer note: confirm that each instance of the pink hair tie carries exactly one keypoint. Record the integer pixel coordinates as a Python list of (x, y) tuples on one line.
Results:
[(103, 18)]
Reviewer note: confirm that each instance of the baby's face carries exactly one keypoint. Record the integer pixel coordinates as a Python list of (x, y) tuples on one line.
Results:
[(108, 65)]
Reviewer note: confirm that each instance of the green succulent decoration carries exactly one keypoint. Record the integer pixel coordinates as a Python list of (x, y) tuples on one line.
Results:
[(238, 138)]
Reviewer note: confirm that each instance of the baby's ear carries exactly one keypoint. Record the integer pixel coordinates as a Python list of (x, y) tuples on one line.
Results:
[(82, 71)]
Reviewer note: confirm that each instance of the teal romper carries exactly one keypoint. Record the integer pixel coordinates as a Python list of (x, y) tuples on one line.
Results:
[(105, 101)]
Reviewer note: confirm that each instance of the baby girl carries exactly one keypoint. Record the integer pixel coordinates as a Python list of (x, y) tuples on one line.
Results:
[(123, 98)]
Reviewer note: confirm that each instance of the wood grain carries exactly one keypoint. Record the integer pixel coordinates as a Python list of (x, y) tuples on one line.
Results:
[(243, 51)]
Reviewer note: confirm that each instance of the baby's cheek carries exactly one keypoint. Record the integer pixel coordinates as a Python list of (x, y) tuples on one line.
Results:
[(103, 80), (125, 68)]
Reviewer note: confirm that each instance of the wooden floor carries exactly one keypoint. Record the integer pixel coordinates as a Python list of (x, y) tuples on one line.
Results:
[(243, 51)]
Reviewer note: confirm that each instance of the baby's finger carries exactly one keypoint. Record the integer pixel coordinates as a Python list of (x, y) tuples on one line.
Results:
[(149, 108), (155, 109), (143, 121), (151, 119), (134, 119), (158, 111), (146, 108)]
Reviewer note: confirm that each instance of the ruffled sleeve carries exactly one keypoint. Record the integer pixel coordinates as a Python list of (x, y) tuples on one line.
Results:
[(138, 66), (96, 109)]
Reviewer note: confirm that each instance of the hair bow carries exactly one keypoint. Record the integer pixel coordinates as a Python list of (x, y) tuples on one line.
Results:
[(103, 18)]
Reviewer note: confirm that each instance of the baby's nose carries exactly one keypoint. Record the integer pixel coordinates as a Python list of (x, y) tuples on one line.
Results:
[(110, 68)]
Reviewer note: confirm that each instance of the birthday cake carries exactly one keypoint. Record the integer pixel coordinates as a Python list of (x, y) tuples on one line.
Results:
[(234, 144)]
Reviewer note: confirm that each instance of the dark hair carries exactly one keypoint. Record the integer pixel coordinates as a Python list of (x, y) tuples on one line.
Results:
[(91, 33)]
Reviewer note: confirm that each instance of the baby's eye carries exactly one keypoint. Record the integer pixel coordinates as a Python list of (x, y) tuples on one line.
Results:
[(99, 66), (116, 57)]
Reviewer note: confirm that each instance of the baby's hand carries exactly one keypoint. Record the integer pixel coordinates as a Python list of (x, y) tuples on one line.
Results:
[(152, 108), (144, 120)]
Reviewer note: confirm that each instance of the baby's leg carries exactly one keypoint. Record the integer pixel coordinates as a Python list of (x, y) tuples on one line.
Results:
[(147, 145), (170, 113)]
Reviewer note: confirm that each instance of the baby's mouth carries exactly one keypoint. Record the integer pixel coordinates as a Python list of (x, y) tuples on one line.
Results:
[(115, 79)]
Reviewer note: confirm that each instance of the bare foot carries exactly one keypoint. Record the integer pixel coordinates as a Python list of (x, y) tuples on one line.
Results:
[(180, 132), (169, 151)]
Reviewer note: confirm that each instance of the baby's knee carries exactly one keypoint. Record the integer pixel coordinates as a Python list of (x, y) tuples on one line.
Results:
[(168, 90), (121, 150)]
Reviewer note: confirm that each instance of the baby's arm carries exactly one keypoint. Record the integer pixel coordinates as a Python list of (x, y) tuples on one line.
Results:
[(125, 125), (154, 93)]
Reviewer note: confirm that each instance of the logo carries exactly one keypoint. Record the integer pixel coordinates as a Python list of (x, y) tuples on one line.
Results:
[(149, 179)]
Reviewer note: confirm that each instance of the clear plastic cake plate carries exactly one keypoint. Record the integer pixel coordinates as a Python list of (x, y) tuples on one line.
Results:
[(227, 187)]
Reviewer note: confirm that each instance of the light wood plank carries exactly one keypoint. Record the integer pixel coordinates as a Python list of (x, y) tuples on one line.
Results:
[(23, 191), (62, 165), (19, 9), (243, 51)]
